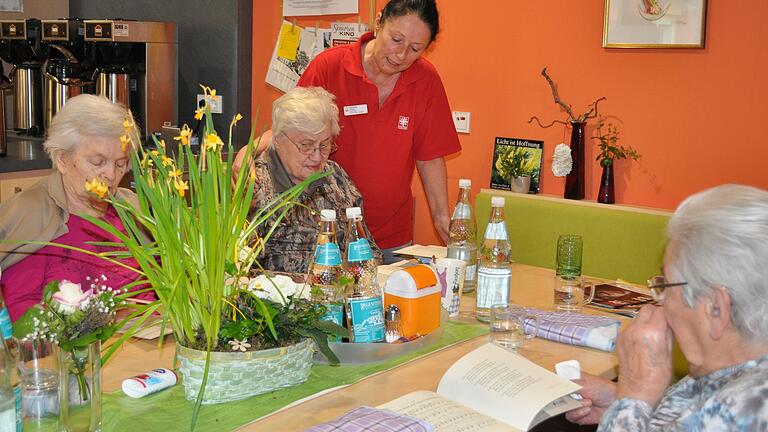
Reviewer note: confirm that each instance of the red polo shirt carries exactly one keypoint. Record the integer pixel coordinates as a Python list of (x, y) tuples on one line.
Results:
[(379, 148)]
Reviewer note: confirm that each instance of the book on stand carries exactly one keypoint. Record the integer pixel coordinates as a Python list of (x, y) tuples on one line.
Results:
[(490, 389), (526, 154)]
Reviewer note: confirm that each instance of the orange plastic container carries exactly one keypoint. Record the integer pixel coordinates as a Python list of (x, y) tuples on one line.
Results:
[(416, 293)]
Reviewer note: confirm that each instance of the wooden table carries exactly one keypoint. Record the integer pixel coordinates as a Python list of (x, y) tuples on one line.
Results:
[(531, 286)]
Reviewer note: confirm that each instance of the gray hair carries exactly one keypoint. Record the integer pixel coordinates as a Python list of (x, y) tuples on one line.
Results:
[(305, 109), (719, 238), (82, 116)]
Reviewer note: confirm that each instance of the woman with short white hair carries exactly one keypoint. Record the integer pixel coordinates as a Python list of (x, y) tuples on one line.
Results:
[(305, 123), (84, 145), (713, 300)]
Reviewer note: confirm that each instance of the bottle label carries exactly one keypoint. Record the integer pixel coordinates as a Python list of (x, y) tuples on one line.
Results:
[(471, 272), (5, 324), (328, 254), (360, 250), (462, 211), (7, 419), (496, 231), (367, 319), (334, 314), (492, 286)]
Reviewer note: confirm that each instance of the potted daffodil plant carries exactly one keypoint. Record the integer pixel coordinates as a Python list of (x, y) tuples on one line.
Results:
[(195, 239)]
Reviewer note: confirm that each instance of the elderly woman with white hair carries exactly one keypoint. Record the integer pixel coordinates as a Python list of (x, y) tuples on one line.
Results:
[(713, 300), (305, 122), (84, 145)]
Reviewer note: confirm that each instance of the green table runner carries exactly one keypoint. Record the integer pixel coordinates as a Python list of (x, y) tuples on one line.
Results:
[(169, 411)]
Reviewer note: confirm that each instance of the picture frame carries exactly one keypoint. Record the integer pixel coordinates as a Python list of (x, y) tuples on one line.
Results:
[(654, 23)]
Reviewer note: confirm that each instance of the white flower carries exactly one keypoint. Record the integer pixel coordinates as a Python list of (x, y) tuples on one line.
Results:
[(70, 297), (267, 288), (562, 161), (239, 345)]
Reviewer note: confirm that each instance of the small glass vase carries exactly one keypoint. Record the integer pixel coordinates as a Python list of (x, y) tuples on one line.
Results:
[(605, 194), (80, 389)]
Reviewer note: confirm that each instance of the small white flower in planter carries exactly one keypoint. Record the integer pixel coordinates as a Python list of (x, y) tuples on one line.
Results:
[(70, 297), (239, 345)]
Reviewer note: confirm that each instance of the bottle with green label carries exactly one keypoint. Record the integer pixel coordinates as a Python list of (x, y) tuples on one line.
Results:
[(365, 308), (326, 274)]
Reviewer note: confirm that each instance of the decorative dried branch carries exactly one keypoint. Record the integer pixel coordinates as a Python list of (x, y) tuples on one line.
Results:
[(549, 125), (590, 113), (555, 94)]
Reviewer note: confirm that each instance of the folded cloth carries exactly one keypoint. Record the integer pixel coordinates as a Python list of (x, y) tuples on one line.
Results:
[(592, 331), (372, 419)]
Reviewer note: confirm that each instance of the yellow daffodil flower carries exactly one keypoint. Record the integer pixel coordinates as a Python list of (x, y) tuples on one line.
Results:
[(181, 186), (237, 118), (199, 113), (175, 174), (97, 187), (212, 142), (184, 135), (167, 161), (161, 143), (124, 142), (128, 125)]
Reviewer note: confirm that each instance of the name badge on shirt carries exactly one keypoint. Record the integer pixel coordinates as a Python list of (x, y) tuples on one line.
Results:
[(353, 110)]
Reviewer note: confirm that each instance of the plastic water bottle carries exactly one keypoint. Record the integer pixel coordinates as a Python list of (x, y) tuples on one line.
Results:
[(462, 243), (494, 271), (365, 307), (326, 272), (10, 351)]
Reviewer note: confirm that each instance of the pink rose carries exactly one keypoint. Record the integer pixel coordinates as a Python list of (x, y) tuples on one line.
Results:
[(70, 296)]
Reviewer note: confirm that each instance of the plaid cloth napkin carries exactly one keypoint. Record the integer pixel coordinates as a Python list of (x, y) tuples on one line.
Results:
[(374, 420), (592, 331)]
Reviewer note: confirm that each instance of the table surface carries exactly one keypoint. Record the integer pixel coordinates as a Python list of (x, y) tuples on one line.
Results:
[(531, 286)]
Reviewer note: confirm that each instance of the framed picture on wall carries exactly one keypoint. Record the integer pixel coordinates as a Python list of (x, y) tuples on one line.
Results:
[(654, 23)]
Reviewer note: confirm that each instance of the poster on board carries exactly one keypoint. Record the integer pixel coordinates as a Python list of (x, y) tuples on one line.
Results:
[(294, 49)]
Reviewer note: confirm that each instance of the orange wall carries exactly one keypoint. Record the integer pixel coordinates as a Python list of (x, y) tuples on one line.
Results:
[(694, 115)]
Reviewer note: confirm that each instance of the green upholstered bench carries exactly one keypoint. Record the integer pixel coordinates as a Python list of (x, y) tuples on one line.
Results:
[(619, 241)]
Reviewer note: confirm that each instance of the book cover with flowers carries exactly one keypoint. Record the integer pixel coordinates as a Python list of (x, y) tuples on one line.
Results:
[(516, 157)]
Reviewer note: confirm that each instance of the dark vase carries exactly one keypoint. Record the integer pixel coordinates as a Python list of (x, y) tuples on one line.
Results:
[(605, 195), (574, 181)]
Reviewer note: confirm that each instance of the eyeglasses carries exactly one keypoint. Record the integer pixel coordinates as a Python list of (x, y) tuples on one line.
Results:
[(658, 284), (324, 147)]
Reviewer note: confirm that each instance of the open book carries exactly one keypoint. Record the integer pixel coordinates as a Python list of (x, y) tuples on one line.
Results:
[(488, 390)]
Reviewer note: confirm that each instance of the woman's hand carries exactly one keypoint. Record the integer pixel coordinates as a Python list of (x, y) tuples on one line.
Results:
[(598, 394), (644, 350)]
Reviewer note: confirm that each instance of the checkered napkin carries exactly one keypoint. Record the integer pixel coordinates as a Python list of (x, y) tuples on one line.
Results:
[(592, 331), (374, 420)]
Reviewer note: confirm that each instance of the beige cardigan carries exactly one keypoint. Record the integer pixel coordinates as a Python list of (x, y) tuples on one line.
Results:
[(39, 213)]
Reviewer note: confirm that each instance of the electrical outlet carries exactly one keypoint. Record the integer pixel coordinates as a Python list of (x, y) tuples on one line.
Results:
[(214, 102), (461, 121)]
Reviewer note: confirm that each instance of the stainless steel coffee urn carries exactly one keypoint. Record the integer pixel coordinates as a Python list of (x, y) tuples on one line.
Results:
[(22, 49), (66, 71), (136, 64)]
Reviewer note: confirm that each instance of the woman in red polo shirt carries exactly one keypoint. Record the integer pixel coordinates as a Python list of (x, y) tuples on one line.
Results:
[(394, 118)]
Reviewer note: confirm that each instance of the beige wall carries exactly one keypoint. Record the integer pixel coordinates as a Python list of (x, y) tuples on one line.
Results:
[(42, 9)]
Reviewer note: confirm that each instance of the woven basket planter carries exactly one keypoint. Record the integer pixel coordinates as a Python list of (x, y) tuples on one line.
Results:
[(239, 375)]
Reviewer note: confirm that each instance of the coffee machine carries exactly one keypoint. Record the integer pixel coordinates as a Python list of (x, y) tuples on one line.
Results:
[(136, 64), (20, 45), (67, 70)]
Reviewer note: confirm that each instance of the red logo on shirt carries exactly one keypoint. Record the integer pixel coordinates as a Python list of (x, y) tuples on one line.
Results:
[(403, 123)]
